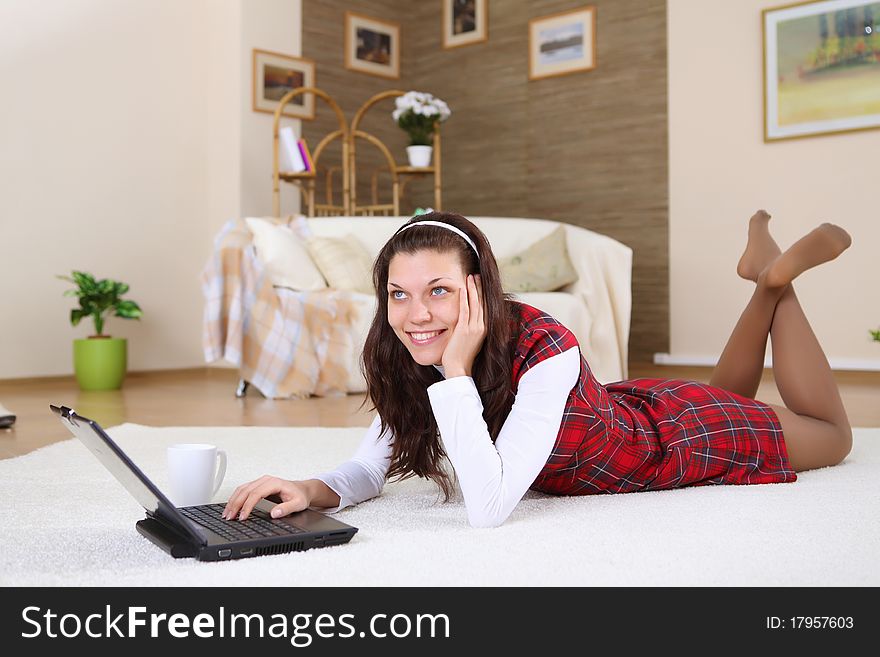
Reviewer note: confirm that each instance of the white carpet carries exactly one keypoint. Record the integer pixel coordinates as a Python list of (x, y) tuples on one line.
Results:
[(66, 521)]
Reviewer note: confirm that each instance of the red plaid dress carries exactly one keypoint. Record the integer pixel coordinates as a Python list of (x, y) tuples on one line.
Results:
[(649, 434)]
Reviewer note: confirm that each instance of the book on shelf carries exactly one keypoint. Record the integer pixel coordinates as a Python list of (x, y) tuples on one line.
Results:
[(306, 155), (290, 155)]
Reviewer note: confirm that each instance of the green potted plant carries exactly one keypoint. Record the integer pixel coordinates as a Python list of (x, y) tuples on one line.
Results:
[(99, 361)]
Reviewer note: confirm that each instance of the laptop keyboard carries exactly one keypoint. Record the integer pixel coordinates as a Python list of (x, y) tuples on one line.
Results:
[(258, 525)]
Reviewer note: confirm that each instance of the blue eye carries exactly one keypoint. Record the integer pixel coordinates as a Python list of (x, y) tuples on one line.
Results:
[(393, 293)]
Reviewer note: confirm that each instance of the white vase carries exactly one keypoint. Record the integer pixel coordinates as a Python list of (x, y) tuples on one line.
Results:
[(419, 156)]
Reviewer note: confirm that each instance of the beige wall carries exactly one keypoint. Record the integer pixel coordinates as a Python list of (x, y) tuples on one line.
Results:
[(721, 171), (276, 26), (124, 146)]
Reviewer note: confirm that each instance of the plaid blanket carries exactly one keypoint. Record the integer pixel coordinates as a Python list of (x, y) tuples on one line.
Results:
[(287, 343)]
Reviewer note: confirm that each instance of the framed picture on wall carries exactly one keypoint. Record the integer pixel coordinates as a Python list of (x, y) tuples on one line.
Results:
[(464, 22), (275, 75), (821, 68), (372, 45), (562, 43)]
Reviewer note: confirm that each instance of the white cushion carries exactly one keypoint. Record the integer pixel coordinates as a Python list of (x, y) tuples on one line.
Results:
[(285, 256), (344, 262), (542, 267), (567, 309)]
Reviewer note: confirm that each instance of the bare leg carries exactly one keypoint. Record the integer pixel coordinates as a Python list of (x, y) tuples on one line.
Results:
[(741, 364), (814, 422)]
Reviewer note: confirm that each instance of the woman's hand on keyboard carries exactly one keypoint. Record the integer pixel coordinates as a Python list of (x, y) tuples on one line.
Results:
[(294, 497)]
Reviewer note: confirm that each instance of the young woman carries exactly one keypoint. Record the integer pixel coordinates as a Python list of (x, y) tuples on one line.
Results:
[(456, 368)]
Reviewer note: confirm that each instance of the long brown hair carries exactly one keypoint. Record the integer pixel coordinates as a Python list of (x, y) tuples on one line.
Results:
[(397, 384)]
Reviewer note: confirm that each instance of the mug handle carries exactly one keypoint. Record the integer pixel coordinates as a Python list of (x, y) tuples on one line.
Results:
[(221, 471)]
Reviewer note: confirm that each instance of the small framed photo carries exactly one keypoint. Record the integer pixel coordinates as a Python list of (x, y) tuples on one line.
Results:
[(821, 68), (464, 22), (562, 43), (372, 45), (275, 75)]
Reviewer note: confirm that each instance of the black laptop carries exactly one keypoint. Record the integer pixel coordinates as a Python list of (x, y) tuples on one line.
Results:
[(200, 531)]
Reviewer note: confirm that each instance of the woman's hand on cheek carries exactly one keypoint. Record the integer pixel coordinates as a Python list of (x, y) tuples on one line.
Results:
[(469, 333)]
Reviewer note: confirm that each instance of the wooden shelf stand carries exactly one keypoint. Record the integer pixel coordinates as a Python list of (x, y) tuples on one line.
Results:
[(350, 135)]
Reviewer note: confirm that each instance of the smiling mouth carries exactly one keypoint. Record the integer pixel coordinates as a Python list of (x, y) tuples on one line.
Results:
[(424, 337)]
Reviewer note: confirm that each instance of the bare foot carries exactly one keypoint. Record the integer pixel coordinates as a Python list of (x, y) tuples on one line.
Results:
[(761, 249), (819, 245)]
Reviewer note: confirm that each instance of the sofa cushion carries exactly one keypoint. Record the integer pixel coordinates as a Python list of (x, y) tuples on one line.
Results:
[(542, 267), (565, 308), (285, 256), (344, 262)]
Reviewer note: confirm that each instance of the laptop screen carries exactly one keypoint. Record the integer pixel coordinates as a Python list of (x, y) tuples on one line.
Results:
[(122, 467)]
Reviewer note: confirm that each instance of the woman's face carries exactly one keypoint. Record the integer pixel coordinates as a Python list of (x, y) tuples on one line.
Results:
[(423, 305)]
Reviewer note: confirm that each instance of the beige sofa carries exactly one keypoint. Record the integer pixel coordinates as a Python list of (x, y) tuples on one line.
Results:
[(596, 308)]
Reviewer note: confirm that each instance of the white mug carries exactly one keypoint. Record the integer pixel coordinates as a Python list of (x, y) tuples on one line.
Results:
[(195, 471)]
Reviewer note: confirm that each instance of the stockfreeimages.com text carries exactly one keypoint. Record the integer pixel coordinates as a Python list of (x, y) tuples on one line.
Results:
[(300, 629)]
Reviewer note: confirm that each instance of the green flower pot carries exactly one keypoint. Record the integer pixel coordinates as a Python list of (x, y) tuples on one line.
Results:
[(100, 363)]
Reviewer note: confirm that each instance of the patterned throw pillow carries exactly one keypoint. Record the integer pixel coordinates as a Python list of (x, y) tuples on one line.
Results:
[(285, 256), (344, 262), (543, 267)]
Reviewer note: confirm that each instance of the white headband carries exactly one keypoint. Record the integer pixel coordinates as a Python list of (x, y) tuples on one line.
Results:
[(446, 226)]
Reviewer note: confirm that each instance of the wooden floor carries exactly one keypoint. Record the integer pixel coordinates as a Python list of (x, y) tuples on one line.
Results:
[(206, 397)]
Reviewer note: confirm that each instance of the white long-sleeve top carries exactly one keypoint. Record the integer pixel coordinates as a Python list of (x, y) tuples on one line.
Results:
[(493, 477)]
